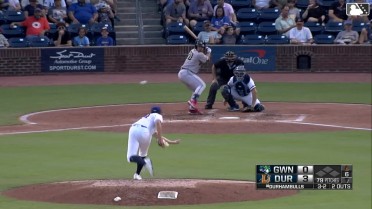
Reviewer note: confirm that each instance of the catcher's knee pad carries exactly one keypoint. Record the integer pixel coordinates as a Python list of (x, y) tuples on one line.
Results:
[(259, 108), (226, 92)]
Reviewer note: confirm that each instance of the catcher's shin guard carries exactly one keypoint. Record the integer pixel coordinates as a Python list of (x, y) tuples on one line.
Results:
[(226, 94)]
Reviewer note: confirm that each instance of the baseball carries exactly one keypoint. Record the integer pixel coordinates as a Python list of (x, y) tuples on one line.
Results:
[(143, 82), (117, 199), (166, 144)]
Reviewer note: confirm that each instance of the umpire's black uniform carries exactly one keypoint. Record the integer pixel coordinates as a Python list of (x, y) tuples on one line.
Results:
[(222, 70)]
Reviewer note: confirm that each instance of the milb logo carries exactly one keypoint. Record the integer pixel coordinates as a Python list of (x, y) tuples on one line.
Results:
[(357, 9)]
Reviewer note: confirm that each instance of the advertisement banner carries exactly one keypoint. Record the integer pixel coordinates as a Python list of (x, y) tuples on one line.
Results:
[(255, 58), (72, 60)]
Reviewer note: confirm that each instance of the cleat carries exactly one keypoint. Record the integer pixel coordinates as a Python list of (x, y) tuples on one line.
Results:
[(192, 103), (247, 109), (195, 112), (233, 109), (148, 166), (208, 107), (137, 177)]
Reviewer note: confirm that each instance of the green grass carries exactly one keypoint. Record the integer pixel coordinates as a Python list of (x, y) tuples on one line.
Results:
[(21, 100), (76, 155)]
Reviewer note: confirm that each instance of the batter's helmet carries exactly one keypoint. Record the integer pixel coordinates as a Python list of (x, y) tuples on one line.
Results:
[(239, 72), (156, 109), (200, 43)]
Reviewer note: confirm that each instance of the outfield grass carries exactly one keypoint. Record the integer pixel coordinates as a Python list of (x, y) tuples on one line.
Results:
[(80, 155)]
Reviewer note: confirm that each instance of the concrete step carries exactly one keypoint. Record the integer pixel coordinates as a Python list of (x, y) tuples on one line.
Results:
[(127, 34), (127, 9), (151, 21), (123, 15), (153, 34), (128, 22), (154, 41), (127, 41), (152, 28), (126, 28)]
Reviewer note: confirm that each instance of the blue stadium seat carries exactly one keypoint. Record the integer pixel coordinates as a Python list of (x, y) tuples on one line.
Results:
[(2, 18), (15, 32), (175, 28), (268, 15), (177, 39), (266, 28), (39, 42), (74, 29), (247, 14), (358, 26), (333, 27), (52, 31), (315, 27), (198, 27), (247, 28), (18, 42), (14, 16), (252, 39), (324, 39), (326, 3), (238, 4), (277, 39)]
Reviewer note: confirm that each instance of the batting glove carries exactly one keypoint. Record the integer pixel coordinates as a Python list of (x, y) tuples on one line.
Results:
[(209, 50)]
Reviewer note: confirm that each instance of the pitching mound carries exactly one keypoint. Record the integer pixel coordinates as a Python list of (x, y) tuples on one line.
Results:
[(145, 192)]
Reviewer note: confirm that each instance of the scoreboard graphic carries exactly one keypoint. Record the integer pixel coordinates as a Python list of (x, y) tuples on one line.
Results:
[(316, 177)]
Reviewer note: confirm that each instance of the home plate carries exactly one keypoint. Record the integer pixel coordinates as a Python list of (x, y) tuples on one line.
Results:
[(167, 195), (229, 118)]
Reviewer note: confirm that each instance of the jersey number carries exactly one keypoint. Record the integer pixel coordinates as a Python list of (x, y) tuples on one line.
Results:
[(189, 57)]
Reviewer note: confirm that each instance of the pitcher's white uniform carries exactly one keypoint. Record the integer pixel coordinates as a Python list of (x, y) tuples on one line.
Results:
[(140, 135), (190, 68)]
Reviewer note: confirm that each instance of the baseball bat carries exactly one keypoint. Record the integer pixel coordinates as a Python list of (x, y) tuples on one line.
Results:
[(189, 31)]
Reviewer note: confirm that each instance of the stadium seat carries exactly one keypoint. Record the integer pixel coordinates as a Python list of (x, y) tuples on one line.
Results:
[(15, 32), (247, 28), (74, 29), (315, 27), (277, 39), (17, 42), (252, 39), (238, 4), (333, 27), (247, 14), (326, 3), (266, 28), (2, 18), (268, 15), (39, 42), (14, 16), (175, 28), (198, 27), (302, 4), (95, 32), (324, 39), (177, 39), (52, 31), (358, 26)]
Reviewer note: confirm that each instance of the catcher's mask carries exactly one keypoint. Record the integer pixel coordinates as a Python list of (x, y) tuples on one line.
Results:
[(156, 109), (230, 56), (200, 43), (239, 72)]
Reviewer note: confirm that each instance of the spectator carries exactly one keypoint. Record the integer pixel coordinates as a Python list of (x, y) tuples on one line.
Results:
[(14, 5), (337, 11), (200, 10), (81, 12), (300, 34), (207, 35), (70, 2), (52, 3), (278, 3), (30, 8), (81, 40), (231, 35), (3, 40), (228, 9), (62, 37), (36, 25), (220, 21), (176, 12), (294, 12), (105, 40), (347, 36), (24, 3), (314, 13), (57, 13), (105, 14), (284, 23), (261, 4), (358, 20)]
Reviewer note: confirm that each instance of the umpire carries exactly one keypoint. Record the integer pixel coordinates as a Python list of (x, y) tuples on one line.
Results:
[(222, 71)]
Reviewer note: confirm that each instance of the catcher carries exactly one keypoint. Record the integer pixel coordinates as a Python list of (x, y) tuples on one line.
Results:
[(241, 87), (139, 140), (222, 71)]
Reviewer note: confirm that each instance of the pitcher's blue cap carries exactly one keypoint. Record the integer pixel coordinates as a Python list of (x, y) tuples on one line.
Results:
[(156, 109)]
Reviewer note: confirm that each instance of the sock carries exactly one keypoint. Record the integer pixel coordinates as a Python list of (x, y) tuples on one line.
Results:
[(195, 96), (140, 162)]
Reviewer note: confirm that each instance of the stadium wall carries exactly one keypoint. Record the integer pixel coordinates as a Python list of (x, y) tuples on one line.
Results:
[(137, 59)]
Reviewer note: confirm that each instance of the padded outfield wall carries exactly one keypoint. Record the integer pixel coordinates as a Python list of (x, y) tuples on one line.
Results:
[(160, 58)]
